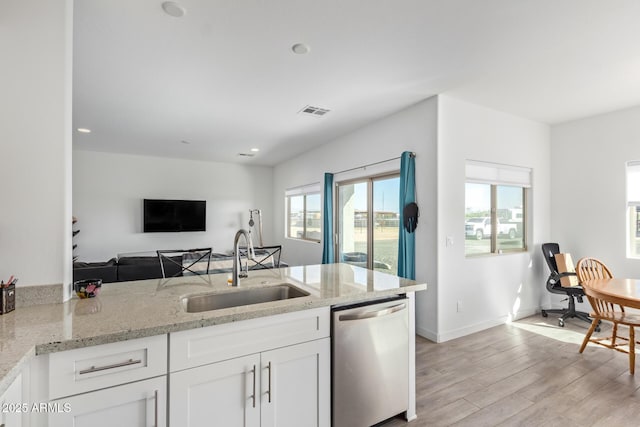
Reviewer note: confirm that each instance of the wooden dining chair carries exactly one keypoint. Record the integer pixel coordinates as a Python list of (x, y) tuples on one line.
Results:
[(608, 309), (592, 268)]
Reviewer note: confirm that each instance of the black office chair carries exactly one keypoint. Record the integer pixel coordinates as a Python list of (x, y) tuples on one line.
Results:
[(553, 285)]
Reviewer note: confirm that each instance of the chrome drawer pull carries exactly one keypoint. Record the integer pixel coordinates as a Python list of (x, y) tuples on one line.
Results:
[(115, 365), (253, 396), (269, 392), (155, 407)]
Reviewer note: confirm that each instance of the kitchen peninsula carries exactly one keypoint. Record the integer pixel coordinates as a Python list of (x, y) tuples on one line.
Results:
[(39, 338)]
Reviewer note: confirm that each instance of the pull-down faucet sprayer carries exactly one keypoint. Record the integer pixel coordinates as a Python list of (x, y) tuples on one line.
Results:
[(237, 269)]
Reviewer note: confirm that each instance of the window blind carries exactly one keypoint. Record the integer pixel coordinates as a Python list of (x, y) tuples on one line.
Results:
[(380, 168), (303, 189), (633, 183), (497, 174)]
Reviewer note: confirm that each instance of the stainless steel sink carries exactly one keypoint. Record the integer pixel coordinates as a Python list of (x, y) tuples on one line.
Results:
[(206, 302)]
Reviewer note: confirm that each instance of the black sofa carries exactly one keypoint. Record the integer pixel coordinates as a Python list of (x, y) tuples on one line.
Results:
[(126, 268), (107, 271), (146, 267)]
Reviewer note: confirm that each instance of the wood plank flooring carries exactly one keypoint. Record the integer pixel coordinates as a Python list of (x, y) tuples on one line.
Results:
[(528, 373)]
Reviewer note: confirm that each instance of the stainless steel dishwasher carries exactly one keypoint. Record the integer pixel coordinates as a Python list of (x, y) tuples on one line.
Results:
[(370, 360)]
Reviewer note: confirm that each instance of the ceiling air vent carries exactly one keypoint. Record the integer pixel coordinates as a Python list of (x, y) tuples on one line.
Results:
[(314, 111), (246, 154)]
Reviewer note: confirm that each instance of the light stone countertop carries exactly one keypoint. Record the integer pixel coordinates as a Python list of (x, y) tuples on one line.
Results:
[(128, 310)]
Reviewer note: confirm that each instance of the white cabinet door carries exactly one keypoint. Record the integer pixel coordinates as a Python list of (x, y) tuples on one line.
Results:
[(11, 404), (296, 385), (219, 394), (138, 404)]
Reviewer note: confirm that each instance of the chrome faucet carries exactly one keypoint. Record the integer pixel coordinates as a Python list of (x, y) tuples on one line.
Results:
[(237, 271)]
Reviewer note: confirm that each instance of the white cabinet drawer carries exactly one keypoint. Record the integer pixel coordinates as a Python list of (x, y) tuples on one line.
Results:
[(91, 368), (211, 344)]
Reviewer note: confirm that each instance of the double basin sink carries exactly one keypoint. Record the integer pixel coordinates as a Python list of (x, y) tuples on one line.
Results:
[(240, 297)]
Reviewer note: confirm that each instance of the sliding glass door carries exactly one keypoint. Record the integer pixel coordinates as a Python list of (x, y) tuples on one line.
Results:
[(368, 223), (386, 218), (353, 217)]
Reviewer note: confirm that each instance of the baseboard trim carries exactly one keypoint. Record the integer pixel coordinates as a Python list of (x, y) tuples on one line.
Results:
[(526, 313), (471, 329), (425, 333)]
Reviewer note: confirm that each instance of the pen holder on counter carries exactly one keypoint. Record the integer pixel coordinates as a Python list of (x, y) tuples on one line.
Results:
[(7, 298)]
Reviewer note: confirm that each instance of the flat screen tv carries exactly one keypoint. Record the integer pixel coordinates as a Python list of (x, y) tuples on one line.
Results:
[(174, 215)]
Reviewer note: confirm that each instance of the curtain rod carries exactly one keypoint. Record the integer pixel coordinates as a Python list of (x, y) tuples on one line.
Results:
[(411, 154)]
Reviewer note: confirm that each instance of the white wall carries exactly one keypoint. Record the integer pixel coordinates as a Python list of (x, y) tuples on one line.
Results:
[(35, 126), (108, 190), (588, 192), (490, 288), (412, 129)]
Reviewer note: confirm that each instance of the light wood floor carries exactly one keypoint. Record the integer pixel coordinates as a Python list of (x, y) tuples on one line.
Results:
[(528, 373)]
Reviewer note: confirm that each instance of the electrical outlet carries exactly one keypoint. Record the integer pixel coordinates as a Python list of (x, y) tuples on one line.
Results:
[(459, 306)]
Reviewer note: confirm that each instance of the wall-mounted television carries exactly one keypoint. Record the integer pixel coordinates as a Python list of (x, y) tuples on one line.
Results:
[(174, 215)]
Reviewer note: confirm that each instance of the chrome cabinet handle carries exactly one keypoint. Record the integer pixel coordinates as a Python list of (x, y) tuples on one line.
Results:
[(115, 365), (253, 396), (155, 407), (269, 390), (370, 314)]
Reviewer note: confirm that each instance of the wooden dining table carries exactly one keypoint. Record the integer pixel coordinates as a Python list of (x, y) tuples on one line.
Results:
[(625, 292)]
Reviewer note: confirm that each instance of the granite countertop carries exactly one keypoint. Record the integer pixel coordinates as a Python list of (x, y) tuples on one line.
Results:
[(128, 310)]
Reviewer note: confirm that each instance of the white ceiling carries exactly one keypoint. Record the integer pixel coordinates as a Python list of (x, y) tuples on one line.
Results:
[(224, 78)]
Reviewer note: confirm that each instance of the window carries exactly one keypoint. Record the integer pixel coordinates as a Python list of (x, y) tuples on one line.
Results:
[(304, 217), (633, 209), (495, 208), (367, 221)]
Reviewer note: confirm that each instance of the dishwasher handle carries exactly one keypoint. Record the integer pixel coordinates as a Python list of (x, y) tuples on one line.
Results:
[(371, 314)]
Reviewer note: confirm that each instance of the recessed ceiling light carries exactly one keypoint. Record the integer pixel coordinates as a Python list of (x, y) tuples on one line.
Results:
[(255, 150), (84, 130), (174, 9), (300, 48)]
